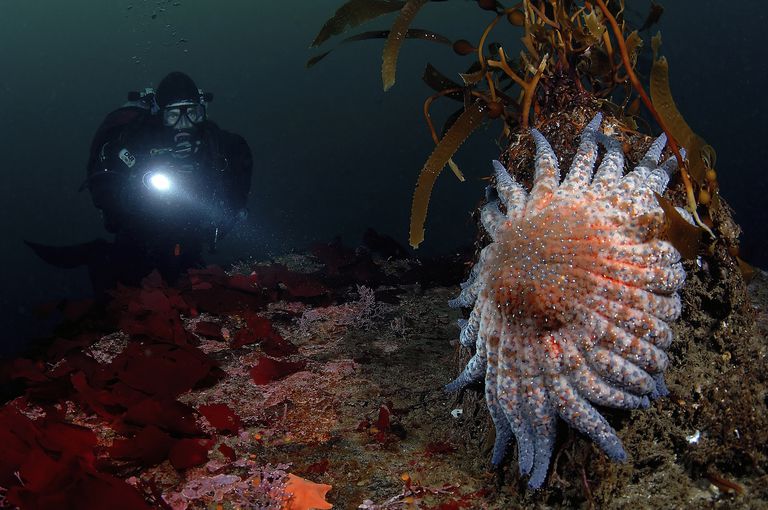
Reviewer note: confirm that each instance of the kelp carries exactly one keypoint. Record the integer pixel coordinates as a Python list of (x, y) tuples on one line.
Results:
[(395, 40), (683, 236), (446, 88), (672, 142), (438, 81), (701, 156), (354, 13), (634, 43), (467, 122), (412, 33), (661, 95), (654, 15), (317, 58), (585, 44), (528, 87), (593, 22), (471, 78), (451, 163)]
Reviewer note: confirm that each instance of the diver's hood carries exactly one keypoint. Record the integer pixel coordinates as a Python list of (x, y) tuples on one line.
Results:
[(177, 87)]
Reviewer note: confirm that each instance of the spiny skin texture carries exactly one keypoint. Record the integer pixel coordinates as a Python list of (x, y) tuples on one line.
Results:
[(572, 300)]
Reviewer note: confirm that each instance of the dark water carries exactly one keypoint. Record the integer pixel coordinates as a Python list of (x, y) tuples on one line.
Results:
[(333, 153)]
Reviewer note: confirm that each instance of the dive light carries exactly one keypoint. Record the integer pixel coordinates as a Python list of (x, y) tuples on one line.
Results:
[(158, 180)]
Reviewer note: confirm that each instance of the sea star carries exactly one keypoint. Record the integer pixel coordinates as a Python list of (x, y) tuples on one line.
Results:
[(572, 300)]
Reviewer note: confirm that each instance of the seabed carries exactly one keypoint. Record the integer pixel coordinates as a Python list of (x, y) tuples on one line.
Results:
[(329, 366)]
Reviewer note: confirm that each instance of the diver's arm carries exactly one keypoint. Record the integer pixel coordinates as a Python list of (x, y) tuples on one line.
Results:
[(106, 183), (238, 180), (106, 171), (235, 181)]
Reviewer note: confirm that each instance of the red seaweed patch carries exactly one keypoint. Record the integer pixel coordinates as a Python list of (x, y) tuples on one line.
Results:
[(268, 369), (221, 417)]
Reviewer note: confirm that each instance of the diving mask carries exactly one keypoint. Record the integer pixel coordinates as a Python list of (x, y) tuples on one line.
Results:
[(183, 115)]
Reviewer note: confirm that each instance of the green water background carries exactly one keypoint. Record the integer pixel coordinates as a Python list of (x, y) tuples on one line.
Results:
[(333, 153)]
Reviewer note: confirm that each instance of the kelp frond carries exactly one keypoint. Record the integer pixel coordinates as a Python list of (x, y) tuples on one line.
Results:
[(593, 22), (354, 13), (412, 33), (454, 167), (395, 40), (467, 122), (661, 96), (683, 236), (479, 74)]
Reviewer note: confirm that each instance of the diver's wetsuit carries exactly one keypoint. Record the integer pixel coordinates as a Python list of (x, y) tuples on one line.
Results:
[(211, 174)]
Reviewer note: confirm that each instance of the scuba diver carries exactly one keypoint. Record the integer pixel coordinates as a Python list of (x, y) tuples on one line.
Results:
[(167, 180)]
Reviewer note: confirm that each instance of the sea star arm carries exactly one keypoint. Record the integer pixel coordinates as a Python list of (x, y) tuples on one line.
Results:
[(511, 193), (580, 173)]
